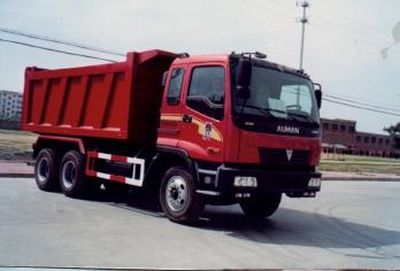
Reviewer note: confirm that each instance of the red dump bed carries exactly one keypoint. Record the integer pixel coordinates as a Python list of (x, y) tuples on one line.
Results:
[(112, 101)]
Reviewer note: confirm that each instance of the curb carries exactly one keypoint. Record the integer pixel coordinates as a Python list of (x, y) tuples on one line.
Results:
[(16, 175), (354, 179), (24, 174)]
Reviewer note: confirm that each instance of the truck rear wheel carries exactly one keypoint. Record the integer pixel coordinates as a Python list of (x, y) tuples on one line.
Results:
[(178, 196), (261, 206), (72, 175), (46, 170)]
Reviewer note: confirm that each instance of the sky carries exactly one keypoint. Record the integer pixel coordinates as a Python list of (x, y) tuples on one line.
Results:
[(343, 43)]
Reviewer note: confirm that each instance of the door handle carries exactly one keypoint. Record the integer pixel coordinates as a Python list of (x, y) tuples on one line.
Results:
[(213, 150), (187, 118)]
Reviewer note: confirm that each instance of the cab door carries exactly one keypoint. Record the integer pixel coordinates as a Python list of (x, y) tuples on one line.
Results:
[(171, 110), (203, 115)]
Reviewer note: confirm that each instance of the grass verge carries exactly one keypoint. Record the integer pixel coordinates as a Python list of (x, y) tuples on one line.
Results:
[(16, 145), (354, 163)]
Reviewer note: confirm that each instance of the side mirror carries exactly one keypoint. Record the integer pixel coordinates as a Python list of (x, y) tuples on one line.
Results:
[(164, 78), (244, 73), (318, 94)]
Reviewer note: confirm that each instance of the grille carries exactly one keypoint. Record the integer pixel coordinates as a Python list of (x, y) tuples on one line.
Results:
[(279, 157)]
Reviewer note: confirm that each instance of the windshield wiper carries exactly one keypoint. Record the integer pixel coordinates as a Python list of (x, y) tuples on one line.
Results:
[(302, 116), (266, 111)]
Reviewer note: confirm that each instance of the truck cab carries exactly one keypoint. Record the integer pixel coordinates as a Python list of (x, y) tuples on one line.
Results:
[(261, 136)]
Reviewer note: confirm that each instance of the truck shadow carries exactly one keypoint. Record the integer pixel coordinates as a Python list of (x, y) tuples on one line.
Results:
[(132, 199), (300, 228), (285, 227)]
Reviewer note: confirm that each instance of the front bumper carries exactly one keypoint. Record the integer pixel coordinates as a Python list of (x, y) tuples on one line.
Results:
[(293, 183)]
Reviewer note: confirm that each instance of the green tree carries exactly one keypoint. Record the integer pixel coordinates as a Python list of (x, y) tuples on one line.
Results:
[(394, 133)]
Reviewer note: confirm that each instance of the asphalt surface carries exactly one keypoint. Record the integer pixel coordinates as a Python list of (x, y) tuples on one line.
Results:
[(349, 225)]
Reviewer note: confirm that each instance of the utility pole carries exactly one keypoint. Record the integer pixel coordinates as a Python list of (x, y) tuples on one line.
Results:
[(303, 20)]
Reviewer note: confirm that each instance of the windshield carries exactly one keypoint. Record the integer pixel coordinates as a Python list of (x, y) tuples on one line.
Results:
[(277, 94)]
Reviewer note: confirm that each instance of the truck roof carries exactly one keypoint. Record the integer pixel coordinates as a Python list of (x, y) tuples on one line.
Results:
[(202, 58), (185, 59)]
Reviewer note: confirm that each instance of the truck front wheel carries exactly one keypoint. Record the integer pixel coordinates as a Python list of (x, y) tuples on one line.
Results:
[(178, 196), (261, 206), (72, 176), (46, 170)]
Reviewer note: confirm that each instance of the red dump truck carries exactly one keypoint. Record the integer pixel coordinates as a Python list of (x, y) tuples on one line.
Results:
[(213, 129)]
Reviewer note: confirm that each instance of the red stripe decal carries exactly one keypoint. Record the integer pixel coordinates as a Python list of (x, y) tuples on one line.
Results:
[(116, 178), (119, 158)]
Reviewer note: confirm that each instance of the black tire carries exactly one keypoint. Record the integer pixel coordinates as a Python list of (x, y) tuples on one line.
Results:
[(72, 178), (46, 170), (261, 206), (178, 197)]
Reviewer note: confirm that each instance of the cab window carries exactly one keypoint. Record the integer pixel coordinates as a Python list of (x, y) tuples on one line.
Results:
[(206, 91), (175, 86)]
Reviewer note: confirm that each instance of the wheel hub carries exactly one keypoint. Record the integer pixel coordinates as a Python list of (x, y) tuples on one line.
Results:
[(43, 170), (68, 174), (176, 193)]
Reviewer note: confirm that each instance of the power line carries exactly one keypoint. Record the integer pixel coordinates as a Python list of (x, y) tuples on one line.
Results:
[(361, 107), (362, 99), (343, 34), (361, 103), (352, 34), (283, 14), (360, 24), (341, 25), (56, 50), (58, 41), (353, 103), (333, 25)]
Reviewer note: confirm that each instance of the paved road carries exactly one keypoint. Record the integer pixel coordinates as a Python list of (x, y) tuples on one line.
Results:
[(350, 224)]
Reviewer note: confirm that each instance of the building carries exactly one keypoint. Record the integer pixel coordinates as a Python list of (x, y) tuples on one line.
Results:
[(10, 105), (341, 136), (373, 144), (339, 132), (10, 109)]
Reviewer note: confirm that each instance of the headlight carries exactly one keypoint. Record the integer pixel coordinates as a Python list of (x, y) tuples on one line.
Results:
[(314, 182), (245, 181)]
